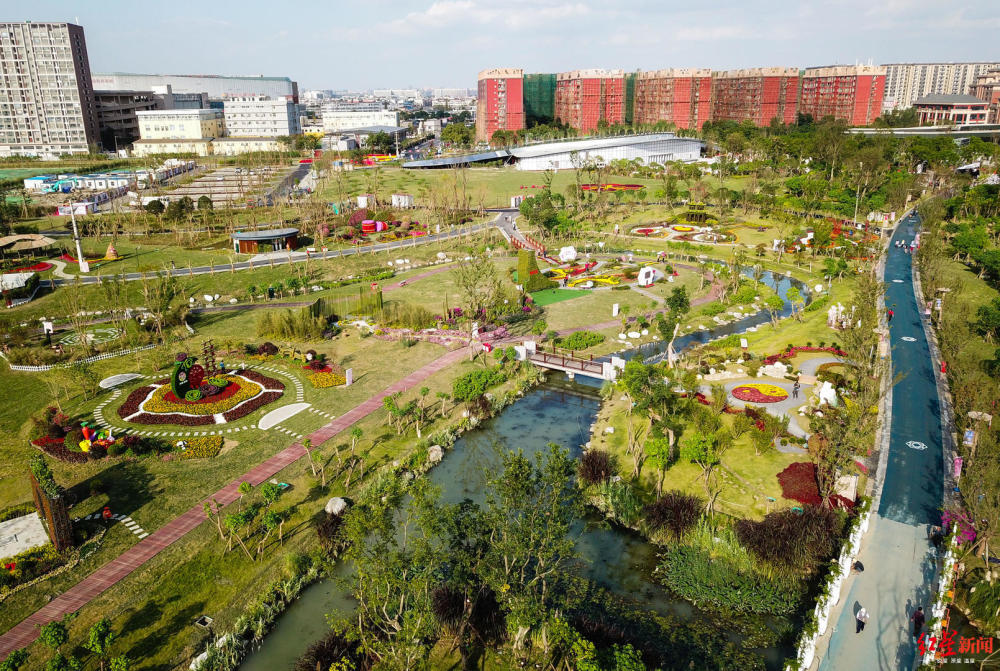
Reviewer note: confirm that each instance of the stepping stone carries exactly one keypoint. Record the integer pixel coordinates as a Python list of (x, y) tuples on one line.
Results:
[(143, 535)]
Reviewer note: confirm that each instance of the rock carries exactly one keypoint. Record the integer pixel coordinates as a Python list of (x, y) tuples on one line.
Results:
[(335, 506), (435, 453), (645, 332), (232, 301), (609, 429), (208, 298), (567, 254)]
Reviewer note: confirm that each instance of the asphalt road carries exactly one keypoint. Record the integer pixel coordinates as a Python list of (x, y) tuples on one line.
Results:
[(900, 564)]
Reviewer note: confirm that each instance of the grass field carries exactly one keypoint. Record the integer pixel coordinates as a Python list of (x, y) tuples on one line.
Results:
[(550, 296)]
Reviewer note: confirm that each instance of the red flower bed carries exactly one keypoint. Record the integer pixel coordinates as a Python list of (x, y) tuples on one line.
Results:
[(173, 418), (788, 354), (69, 259), (324, 369), (37, 268), (798, 483), (251, 405), (56, 448), (230, 389), (267, 382), (754, 395), (131, 404)]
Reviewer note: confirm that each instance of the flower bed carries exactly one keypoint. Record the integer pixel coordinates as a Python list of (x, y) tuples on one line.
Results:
[(28, 565), (163, 400), (788, 354), (40, 267), (326, 380), (683, 229), (798, 483), (250, 391), (56, 448), (758, 392), (200, 447)]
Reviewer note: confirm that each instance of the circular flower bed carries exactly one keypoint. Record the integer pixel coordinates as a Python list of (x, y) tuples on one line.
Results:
[(759, 393), (683, 229), (243, 393)]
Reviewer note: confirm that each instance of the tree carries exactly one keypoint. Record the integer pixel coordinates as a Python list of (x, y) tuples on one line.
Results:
[(60, 662), (700, 448), (660, 452), (678, 301), (774, 306), (15, 660), (457, 134), (155, 207), (100, 639), (205, 203), (796, 299), (53, 635), (479, 281), (159, 294), (121, 663)]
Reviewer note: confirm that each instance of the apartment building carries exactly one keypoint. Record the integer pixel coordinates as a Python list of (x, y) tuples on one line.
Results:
[(585, 98), (261, 116), (47, 104), (757, 95), (681, 96), (987, 87), (906, 82), (500, 105), (851, 93)]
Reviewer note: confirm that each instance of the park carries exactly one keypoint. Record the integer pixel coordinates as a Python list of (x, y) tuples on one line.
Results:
[(659, 391)]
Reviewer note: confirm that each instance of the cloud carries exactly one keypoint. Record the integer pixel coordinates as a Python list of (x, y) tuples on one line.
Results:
[(447, 14)]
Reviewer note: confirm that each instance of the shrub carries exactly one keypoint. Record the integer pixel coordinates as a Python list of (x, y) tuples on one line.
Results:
[(29, 565), (329, 531), (580, 340), (674, 512), (798, 483), (713, 308), (208, 389), (333, 651), (73, 440), (622, 500), (595, 467), (192, 395), (793, 540), (267, 349), (473, 385)]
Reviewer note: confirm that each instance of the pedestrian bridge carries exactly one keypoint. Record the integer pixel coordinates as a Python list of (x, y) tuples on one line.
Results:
[(569, 363)]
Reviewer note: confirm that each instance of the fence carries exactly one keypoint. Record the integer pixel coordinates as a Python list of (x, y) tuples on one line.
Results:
[(89, 359)]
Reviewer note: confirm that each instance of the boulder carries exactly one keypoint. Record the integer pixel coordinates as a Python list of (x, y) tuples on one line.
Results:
[(336, 506), (435, 453), (567, 254)]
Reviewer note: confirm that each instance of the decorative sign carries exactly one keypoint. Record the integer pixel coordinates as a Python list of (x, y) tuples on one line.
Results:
[(916, 445), (908, 339), (744, 343), (349, 375), (179, 382)]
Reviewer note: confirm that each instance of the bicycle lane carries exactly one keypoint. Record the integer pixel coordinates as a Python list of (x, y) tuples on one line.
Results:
[(899, 561)]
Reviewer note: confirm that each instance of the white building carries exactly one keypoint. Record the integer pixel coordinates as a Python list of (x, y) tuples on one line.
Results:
[(339, 116), (450, 93), (47, 104), (231, 146), (261, 116), (907, 82), (651, 148), (183, 124), (430, 126), (402, 200)]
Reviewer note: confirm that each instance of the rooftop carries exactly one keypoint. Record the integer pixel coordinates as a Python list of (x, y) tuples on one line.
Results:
[(948, 99), (373, 129), (269, 234)]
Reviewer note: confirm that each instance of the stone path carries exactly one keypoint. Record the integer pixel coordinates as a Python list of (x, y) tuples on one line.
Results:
[(60, 269), (648, 294), (80, 594), (129, 523)]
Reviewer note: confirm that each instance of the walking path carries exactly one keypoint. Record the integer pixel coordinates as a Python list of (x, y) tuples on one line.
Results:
[(60, 269), (119, 568), (900, 564)]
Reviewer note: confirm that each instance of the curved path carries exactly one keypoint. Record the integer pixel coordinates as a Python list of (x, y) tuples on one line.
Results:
[(900, 565)]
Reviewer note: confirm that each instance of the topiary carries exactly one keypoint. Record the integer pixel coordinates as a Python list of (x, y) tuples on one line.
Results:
[(73, 439), (208, 389), (219, 382), (192, 395)]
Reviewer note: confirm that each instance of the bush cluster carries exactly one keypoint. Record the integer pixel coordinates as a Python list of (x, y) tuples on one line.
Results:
[(580, 340), (674, 512), (595, 467)]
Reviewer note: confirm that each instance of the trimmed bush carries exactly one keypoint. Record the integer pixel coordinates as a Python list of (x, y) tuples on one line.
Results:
[(595, 467), (580, 340)]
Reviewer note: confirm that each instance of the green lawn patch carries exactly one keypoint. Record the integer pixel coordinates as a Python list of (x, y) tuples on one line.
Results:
[(550, 296)]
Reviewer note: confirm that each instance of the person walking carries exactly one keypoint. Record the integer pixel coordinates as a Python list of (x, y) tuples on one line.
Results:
[(795, 389), (862, 620), (918, 621), (891, 314)]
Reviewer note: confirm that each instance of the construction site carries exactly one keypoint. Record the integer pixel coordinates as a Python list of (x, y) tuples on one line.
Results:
[(230, 187)]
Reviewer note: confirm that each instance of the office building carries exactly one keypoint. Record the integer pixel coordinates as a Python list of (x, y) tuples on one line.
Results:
[(261, 116), (757, 95), (181, 124), (47, 104), (337, 120), (231, 146), (950, 110), (586, 98), (500, 103), (987, 87), (906, 82), (682, 97), (217, 87), (851, 93)]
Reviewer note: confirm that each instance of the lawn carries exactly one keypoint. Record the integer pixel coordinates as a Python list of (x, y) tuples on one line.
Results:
[(551, 296)]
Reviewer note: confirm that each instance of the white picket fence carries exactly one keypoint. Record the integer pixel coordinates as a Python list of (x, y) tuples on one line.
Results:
[(89, 359)]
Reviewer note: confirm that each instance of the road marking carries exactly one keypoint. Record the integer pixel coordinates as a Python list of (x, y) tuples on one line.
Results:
[(916, 445), (898, 281), (908, 339)]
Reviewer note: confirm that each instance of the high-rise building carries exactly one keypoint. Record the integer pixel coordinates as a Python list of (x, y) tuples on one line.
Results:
[(585, 98), (682, 97), (500, 104), (261, 116), (539, 99), (851, 93), (758, 95), (217, 87), (116, 115), (906, 82), (987, 88), (46, 97)]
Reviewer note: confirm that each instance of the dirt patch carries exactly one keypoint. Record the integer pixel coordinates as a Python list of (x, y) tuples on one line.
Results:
[(227, 445)]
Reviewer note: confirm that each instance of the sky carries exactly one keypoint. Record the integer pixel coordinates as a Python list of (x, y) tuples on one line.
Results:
[(366, 44)]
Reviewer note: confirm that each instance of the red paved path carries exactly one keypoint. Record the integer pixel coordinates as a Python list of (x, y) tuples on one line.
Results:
[(117, 569)]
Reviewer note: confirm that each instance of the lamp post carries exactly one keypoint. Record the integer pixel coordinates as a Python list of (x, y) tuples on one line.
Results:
[(84, 266)]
